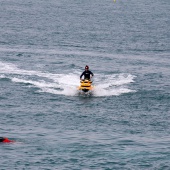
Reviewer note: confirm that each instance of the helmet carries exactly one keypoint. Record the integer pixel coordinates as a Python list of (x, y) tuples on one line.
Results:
[(86, 67), (1, 139)]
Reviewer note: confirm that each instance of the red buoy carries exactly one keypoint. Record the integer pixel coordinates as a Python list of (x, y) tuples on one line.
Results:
[(5, 140)]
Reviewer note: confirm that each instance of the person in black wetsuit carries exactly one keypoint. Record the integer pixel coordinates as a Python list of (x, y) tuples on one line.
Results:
[(87, 74)]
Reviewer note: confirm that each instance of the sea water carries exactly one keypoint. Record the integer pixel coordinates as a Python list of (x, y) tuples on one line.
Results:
[(44, 47)]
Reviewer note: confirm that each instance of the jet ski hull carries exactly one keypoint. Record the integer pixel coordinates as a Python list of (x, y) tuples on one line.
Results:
[(85, 86)]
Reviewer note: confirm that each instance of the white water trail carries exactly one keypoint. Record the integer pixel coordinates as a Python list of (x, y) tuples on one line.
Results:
[(67, 84)]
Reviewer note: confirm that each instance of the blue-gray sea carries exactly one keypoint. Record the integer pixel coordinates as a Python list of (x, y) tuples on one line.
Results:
[(44, 47)]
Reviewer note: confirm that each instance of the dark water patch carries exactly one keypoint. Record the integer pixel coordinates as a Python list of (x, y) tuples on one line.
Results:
[(11, 59), (154, 100), (3, 98), (4, 79), (19, 55), (58, 62)]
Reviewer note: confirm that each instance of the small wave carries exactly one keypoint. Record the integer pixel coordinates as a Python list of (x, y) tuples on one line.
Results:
[(2, 76)]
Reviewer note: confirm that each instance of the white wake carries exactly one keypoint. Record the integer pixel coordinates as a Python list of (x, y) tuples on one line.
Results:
[(67, 84)]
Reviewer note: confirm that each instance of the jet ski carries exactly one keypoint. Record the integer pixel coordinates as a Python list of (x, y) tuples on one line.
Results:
[(86, 86)]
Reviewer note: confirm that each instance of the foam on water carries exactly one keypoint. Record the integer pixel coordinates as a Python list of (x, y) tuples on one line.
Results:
[(115, 84), (66, 84)]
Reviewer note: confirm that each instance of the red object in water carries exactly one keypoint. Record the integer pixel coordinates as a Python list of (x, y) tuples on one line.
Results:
[(6, 140)]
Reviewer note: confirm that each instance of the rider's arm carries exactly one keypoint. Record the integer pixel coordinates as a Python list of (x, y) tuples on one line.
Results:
[(81, 75), (91, 74)]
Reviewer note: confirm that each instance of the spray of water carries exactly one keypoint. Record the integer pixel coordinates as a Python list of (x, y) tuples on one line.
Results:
[(67, 84)]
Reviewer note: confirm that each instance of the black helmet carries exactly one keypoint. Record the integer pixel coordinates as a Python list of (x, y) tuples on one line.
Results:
[(1, 139)]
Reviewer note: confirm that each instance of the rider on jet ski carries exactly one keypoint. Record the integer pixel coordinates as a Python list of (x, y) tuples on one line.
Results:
[(87, 74)]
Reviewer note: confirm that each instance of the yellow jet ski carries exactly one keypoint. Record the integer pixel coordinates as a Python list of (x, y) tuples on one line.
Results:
[(86, 85)]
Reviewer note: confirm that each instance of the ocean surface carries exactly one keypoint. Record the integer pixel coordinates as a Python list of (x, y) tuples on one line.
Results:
[(44, 47)]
